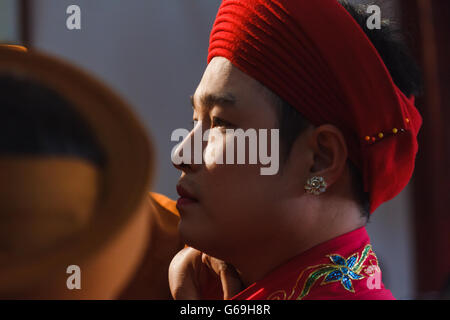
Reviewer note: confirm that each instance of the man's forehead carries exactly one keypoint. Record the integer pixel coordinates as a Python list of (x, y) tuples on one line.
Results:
[(220, 74), (209, 100), (222, 78), (221, 65)]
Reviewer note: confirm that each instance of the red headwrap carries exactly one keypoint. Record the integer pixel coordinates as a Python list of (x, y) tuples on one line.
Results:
[(315, 56)]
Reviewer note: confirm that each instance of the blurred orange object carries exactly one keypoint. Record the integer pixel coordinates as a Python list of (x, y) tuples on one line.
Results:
[(71, 213), (14, 47)]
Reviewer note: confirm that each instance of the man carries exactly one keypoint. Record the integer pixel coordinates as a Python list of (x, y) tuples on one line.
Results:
[(348, 130)]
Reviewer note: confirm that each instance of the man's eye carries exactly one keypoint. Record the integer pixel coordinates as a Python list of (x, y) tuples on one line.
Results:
[(217, 122)]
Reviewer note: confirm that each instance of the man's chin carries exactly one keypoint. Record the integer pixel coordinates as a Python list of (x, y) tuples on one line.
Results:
[(194, 237), (188, 233)]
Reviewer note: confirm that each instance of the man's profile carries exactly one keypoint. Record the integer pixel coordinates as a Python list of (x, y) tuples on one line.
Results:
[(341, 96)]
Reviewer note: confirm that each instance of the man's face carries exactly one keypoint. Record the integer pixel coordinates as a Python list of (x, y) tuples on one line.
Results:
[(234, 206)]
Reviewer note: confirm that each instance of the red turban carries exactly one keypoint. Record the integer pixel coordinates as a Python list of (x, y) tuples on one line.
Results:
[(315, 56)]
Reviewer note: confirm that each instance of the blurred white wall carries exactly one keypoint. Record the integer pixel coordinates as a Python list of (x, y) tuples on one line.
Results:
[(154, 53), (392, 235), (9, 27)]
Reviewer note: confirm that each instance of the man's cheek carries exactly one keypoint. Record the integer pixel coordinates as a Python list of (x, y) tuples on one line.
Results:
[(214, 151)]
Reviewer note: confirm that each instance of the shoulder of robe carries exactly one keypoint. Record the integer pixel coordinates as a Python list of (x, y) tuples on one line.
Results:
[(164, 213), (164, 203)]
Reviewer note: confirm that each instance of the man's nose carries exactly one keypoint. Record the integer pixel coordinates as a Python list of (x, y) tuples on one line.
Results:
[(188, 155)]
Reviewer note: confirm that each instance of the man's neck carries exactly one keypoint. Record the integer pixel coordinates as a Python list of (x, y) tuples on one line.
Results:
[(282, 247)]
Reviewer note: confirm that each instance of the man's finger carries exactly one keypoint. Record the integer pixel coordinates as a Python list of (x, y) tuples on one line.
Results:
[(231, 282), (182, 275)]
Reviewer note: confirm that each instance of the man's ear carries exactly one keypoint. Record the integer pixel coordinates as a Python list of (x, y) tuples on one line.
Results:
[(330, 153)]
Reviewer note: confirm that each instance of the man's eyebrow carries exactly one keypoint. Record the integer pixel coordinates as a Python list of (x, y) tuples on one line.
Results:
[(210, 100)]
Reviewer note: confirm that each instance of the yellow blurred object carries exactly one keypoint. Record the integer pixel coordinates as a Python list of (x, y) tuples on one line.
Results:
[(56, 200), (14, 47)]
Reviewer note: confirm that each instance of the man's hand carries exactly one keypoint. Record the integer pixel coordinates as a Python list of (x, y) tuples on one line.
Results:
[(194, 275)]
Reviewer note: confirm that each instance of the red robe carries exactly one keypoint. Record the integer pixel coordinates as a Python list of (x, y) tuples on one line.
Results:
[(342, 268)]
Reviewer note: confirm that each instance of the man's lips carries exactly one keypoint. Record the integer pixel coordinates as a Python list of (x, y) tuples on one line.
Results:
[(186, 197)]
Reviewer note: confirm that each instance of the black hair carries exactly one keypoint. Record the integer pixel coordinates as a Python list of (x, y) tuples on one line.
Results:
[(405, 72), (37, 121)]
